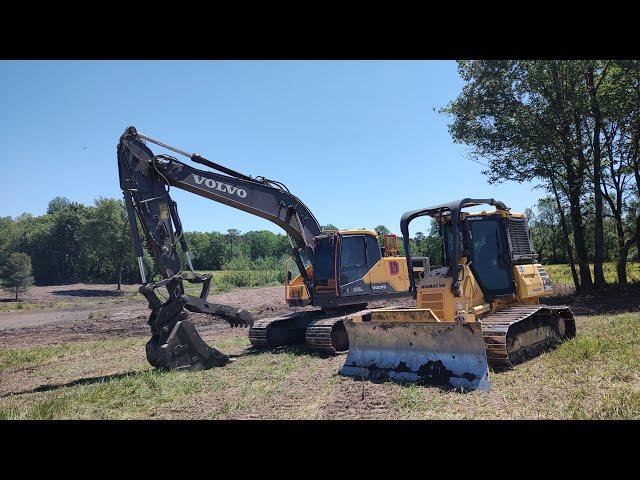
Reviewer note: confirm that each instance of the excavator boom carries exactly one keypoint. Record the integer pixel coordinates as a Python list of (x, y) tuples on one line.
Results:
[(146, 180), (339, 271)]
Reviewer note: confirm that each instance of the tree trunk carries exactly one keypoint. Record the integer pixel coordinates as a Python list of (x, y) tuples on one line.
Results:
[(581, 247), (621, 266), (119, 276), (565, 233), (598, 257), (574, 178), (16, 294), (638, 236)]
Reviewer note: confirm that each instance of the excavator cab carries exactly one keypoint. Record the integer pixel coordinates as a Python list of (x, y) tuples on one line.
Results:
[(349, 267)]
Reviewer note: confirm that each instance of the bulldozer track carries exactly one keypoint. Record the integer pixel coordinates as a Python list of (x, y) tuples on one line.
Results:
[(505, 332)]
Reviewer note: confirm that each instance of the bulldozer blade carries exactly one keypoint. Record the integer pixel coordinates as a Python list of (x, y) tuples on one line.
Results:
[(184, 349), (444, 354)]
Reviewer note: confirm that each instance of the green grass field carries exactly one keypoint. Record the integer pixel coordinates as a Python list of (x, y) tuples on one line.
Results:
[(561, 274), (593, 376)]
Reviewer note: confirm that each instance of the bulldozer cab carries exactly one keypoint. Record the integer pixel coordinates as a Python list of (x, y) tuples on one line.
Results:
[(489, 242), (485, 239)]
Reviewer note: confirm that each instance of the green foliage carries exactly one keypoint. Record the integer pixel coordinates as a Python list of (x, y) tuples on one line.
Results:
[(209, 250), (7, 227), (73, 242), (571, 126), (428, 245), (328, 226), (107, 244), (263, 244), (17, 273), (244, 272), (58, 204)]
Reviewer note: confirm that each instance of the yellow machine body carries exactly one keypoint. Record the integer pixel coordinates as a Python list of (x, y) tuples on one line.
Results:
[(461, 324), (385, 274), (435, 293)]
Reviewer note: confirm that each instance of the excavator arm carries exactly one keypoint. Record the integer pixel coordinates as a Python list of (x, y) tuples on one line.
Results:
[(146, 180)]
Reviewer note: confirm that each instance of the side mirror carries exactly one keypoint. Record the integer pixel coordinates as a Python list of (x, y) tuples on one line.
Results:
[(289, 275)]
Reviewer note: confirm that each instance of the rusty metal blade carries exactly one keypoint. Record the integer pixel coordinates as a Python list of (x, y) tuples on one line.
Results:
[(445, 354)]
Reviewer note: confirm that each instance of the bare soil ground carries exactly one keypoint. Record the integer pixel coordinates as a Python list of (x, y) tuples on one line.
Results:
[(82, 356)]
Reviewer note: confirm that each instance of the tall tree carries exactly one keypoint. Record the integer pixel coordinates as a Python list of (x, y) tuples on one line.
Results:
[(233, 235), (329, 226), (527, 118), (57, 204), (107, 239), (66, 241), (17, 273), (620, 105), (595, 74)]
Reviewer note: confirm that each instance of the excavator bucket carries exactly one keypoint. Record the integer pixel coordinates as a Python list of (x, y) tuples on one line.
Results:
[(412, 345)]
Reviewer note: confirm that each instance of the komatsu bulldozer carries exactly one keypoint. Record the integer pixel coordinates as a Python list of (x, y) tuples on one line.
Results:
[(337, 271), (481, 307)]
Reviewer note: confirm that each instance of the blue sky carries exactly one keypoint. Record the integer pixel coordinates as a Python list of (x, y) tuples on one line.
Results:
[(358, 141)]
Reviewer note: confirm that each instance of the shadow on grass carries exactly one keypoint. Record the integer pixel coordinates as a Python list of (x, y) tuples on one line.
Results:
[(445, 387), (88, 292), (300, 350), (80, 381), (611, 299)]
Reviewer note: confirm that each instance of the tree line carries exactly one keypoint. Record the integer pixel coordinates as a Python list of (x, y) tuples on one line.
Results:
[(73, 242), (574, 128), (77, 243)]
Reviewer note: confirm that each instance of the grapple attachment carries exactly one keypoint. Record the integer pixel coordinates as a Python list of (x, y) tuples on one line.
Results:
[(412, 345), (184, 349), (175, 342)]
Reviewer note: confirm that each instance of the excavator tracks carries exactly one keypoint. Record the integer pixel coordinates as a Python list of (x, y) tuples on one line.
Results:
[(275, 332), (321, 330), (328, 335), (520, 332)]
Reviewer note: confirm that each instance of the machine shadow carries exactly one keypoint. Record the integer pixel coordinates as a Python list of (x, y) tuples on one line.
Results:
[(87, 292), (297, 350), (613, 299), (405, 383), (80, 381)]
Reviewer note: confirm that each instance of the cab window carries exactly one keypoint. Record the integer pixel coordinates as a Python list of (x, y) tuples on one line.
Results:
[(324, 268), (353, 251), (373, 251)]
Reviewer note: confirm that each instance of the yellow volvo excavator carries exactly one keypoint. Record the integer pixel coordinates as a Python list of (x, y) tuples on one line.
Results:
[(481, 307)]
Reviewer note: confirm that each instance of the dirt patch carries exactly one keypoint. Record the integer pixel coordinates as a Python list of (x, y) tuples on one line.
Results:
[(116, 317)]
